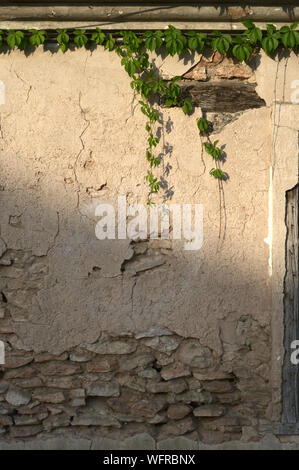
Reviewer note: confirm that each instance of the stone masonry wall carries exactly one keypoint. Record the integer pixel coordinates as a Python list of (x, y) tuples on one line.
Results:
[(122, 343), (156, 383)]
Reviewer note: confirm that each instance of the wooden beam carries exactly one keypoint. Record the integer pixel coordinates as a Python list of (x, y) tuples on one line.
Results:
[(290, 376), (145, 13)]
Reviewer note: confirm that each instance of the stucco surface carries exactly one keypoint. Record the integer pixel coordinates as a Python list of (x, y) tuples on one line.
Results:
[(69, 128)]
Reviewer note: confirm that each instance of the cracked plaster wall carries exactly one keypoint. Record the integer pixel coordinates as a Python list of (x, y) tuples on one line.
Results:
[(69, 127), (71, 137)]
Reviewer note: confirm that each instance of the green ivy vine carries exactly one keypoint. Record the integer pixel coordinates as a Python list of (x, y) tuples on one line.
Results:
[(133, 50)]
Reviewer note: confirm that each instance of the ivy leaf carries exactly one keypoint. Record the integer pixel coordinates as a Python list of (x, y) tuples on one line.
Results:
[(159, 86), (239, 52), (217, 173), (24, 43), (173, 93), (14, 38), (63, 39), (154, 40), (269, 44), (196, 41), (110, 42), (222, 43), (238, 40), (152, 181), (271, 28), (187, 106), (131, 41), (253, 33), (289, 37), (242, 52), (203, 125), (175, 41), (151, 43), (172, 47), (63, 47), (98, 37), (148, 155), (37, 37), (146, 90), (192, 43), (213, 150), (80, 38), (201, 40), (130, 68)]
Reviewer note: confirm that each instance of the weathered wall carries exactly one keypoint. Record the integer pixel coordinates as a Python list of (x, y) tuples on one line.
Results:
[(116, 338)]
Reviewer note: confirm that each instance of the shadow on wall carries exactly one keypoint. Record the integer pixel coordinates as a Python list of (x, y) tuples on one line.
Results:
[(62, 286)]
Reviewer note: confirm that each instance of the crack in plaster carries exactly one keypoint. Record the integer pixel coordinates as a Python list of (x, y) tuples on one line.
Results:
[(83, 113), (55, 236), (26, 83)]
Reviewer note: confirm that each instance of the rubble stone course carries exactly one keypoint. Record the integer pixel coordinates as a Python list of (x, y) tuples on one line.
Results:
[(112, 391)]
